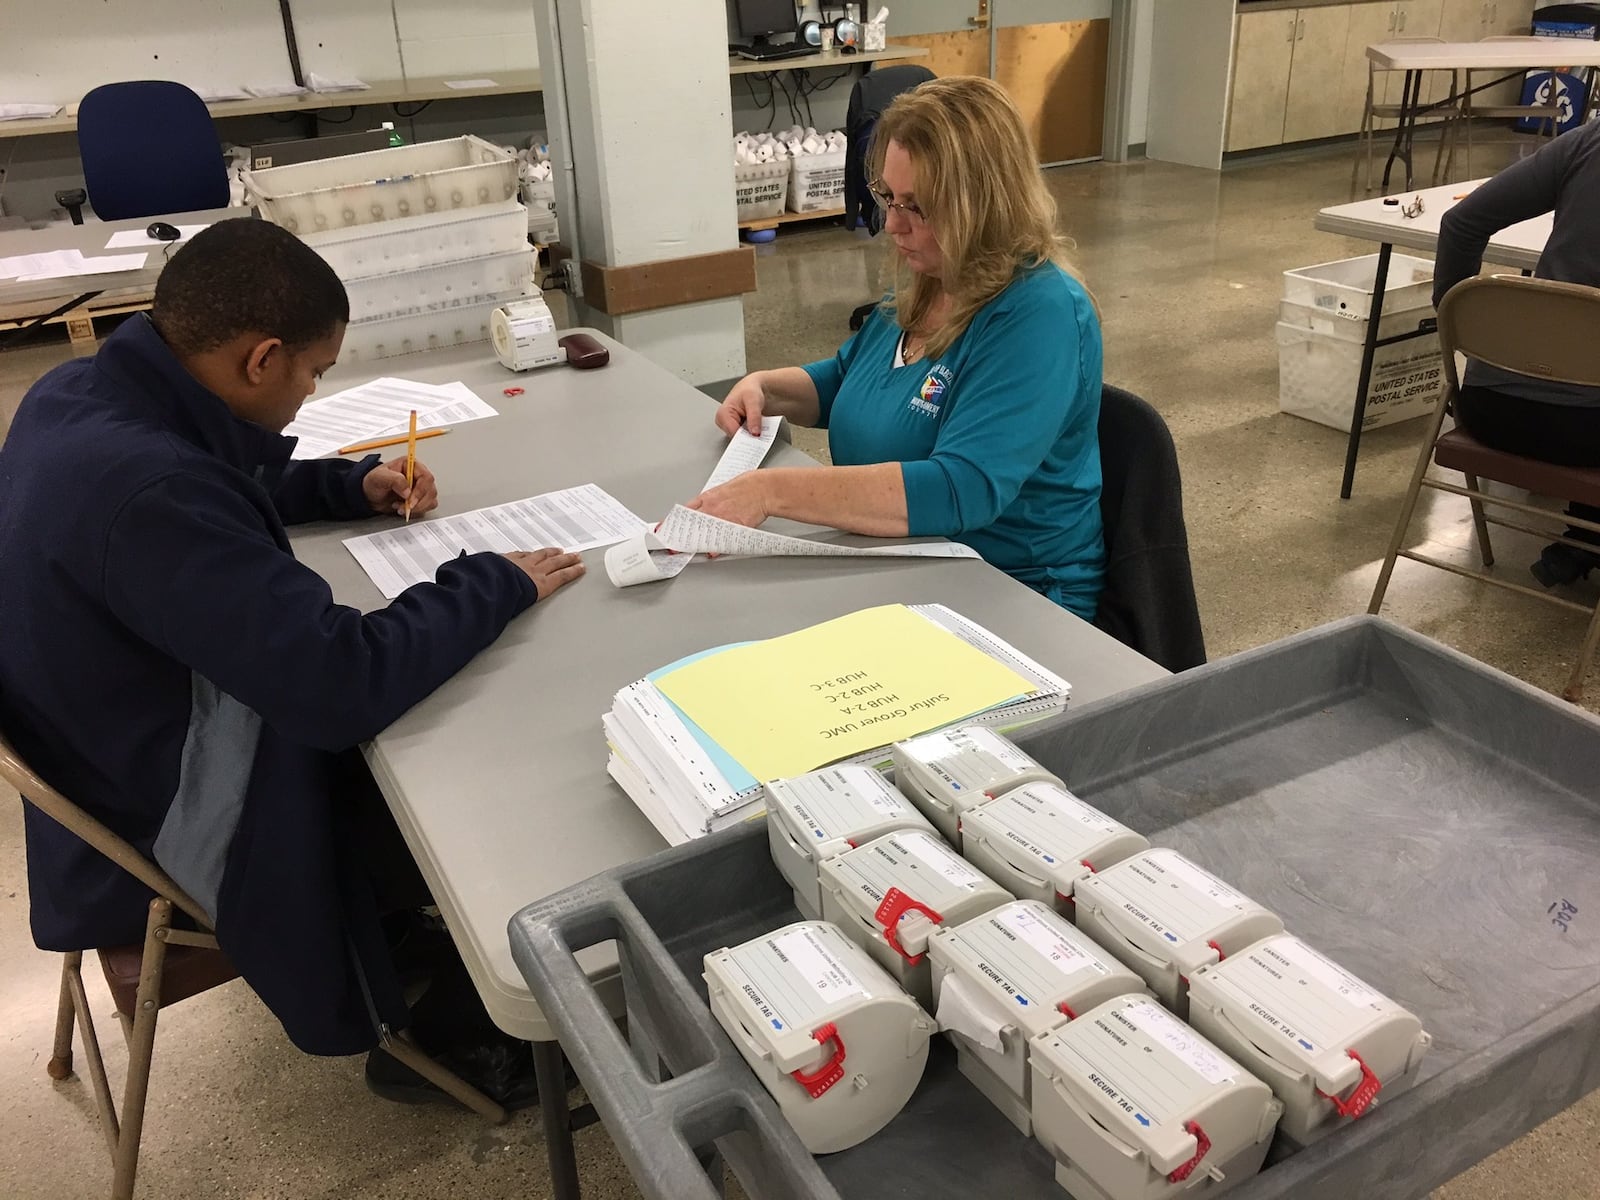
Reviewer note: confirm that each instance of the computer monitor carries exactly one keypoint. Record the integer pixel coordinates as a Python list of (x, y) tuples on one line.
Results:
[(758, 20)]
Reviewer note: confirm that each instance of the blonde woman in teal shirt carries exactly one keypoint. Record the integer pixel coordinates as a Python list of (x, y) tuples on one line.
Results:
[(967, 405)]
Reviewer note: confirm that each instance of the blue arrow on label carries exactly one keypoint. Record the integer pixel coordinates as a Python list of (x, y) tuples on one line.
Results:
[(819, 833), (1021, 999), (1171, 937), (777, 1024), (1142, 1119), (1307, 1044), (1049, 858)]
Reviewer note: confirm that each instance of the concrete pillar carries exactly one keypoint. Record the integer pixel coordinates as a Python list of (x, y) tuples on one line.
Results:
[(645, 101)]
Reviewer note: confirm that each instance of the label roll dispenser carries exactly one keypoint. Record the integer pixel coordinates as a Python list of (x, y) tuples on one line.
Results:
[(947, 772), (826, 1030), (524, 335), (1007, 976), (815, 816), (1038, 840), (1330, 1047), (1135, 1105), (891, 895), (1166, 918)]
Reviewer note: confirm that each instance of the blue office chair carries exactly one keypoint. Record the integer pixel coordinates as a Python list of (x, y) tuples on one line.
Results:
[(148, 148)]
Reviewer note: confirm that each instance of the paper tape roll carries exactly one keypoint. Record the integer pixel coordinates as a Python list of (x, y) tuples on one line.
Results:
[(524, 335)]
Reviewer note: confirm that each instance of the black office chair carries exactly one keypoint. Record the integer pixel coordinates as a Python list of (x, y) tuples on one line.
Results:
[(1148, 601), (872, 93), (148, 149)]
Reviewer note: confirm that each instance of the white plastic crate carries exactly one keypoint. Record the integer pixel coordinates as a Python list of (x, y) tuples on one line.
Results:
[(1345, 287), (1319, 366), (446, 286), (760, 189), (429, 240), (382, 185), (816, 182), (365, 341)]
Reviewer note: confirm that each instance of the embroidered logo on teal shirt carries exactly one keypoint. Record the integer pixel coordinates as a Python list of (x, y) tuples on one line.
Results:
[(931, 394)]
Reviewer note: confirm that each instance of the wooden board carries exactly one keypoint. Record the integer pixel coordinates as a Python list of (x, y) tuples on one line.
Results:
[(1057, 75), (962, 52), (1055, 72), (642, 287), (786, 218)]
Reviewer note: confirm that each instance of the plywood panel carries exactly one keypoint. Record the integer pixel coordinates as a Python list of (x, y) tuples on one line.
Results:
[(964, 52), (1057, 75), (1055, 72)]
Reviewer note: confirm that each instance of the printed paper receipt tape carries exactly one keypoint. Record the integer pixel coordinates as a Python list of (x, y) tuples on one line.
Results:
[(664, 553)]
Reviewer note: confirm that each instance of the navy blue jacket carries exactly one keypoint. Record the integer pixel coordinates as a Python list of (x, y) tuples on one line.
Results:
[(168, 665)]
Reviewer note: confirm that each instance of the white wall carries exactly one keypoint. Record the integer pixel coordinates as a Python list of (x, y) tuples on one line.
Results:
[(1139, 114), (233, 43)]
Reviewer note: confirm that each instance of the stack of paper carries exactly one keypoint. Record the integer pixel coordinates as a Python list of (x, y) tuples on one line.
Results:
[(693, 743), (377, 409)]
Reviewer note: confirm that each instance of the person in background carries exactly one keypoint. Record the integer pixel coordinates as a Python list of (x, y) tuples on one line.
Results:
[(1520, 414), (968, 403), (168, 665)]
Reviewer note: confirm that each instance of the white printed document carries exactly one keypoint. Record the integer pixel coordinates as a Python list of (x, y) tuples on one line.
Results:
[(137, 237), (65, 264), (378, 409), (575, 519), (664, 552), (462, 85)]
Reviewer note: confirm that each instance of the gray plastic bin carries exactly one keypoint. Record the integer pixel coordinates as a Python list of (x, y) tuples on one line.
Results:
[(1413, 814)]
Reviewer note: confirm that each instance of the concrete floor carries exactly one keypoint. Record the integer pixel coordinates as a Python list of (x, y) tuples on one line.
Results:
[(1186, 265)]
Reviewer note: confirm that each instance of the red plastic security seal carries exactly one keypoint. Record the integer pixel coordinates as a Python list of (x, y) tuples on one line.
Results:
[(1202, 1147), (1357, 1103), (895, 905), (829, 1073)]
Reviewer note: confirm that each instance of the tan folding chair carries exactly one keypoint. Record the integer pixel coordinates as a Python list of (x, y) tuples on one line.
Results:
[(1373, 112), (170, 965), (1548, 116), (1534, 327)]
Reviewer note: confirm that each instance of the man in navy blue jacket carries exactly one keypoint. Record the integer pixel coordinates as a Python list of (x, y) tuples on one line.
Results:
[(168, 664)]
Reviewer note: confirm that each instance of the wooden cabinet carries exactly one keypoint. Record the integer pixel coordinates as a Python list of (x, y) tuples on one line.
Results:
[(1263, 52), (1369, 23), (1316, 75)]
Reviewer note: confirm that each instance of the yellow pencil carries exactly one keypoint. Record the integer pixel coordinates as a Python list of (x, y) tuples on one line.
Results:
[(411, 462), (398, 440)]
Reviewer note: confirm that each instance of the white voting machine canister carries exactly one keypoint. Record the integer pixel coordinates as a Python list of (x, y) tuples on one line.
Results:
[(1166, 918), (1135, 1105), (1007, 976), (524, 335), (815, 816), (829, 1034), (1328, 1045), (1038, 840), (892, 893), (947, 772)]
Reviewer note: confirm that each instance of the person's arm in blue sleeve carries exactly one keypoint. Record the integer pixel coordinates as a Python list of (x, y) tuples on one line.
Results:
[(189, 568), (1016, 394), (322, 489), (1525, 189)]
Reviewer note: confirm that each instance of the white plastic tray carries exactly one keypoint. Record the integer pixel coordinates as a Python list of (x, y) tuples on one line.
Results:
[(382, 185), (406, 244), (448, 286)]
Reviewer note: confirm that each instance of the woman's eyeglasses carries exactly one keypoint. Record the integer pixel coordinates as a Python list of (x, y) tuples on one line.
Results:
[(886, 201)]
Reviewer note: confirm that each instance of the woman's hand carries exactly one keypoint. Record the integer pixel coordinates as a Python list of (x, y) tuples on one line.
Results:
[(744, 406), (742, 500)]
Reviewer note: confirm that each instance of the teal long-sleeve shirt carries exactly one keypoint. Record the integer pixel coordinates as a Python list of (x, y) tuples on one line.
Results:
[(996, 438)]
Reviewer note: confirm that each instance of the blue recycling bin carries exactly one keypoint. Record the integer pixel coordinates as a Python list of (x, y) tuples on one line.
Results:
[(1571, 88)]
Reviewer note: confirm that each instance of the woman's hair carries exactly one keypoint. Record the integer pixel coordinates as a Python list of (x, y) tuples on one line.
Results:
[(978, 185)]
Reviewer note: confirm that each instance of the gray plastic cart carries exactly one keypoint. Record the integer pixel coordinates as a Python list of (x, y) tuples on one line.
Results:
[(1429, 823)]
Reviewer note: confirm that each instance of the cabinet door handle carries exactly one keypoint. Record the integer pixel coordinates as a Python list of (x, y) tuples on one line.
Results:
[(1394, 15), (1301, 36), (1402, 19), (1290, 38)]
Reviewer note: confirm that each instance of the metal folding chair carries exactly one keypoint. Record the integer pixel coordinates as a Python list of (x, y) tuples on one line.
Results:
[(1534, 327), (172, 964)]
